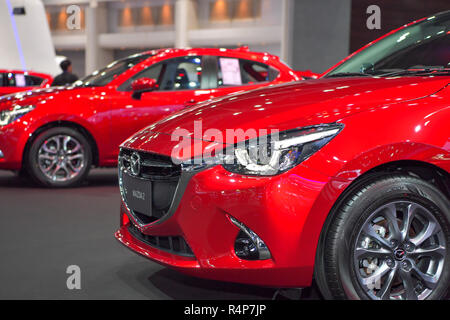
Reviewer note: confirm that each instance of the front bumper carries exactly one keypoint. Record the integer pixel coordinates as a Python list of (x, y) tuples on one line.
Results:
[(13, 139), (281, 210)]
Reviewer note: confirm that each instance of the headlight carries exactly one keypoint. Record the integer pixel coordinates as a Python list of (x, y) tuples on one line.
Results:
[(272, 155), (9, 116)]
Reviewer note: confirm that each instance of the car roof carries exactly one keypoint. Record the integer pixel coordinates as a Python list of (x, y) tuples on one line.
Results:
[(244, 50), (31, 73)]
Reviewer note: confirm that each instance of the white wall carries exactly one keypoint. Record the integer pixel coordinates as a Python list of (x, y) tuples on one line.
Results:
[(25, 39)]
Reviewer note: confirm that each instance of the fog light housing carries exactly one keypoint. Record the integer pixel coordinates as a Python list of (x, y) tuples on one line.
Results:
[(248, 245), (1, 154)]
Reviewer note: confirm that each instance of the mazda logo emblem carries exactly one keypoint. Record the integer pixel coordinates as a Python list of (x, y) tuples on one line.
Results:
[(400, 254), (135, 164)]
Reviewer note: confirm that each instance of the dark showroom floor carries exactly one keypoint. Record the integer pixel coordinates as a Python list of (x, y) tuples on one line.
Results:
[(44, 231)]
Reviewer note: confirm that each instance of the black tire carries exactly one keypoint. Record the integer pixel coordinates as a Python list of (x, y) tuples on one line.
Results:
[(335, 271), (32, 158)]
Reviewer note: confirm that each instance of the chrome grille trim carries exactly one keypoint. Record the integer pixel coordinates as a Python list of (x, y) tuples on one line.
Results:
[(183, 180)]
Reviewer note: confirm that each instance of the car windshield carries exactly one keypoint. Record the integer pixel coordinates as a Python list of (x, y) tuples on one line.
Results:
[(104, 76), (422, 46)]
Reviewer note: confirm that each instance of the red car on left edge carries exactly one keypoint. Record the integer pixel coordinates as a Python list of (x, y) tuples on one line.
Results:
[(12, 81), (55, 135)]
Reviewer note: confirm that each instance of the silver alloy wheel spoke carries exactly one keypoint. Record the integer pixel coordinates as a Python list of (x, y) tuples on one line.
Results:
[(75, 150), (429, 252), (61, 158), (375, 277), (385, 291), (431, 229), (46, 170), (47, 150), (408, 284), (429, 281), (370, 232), (391, 217), (55, 171), (66, 140), (47, 157), (75, 170), (406, 262), (76, 157), (66, 170), (370, 252), (407, 220)]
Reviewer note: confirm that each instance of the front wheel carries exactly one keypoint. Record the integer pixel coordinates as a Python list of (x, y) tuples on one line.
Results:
[(59, 157), (389, 240)]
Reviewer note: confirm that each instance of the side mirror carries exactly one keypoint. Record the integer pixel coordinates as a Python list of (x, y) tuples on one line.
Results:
[(142, 85), (366, 67)]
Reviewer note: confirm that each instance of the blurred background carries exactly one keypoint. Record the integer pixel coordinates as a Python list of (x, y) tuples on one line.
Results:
[(308, 34)]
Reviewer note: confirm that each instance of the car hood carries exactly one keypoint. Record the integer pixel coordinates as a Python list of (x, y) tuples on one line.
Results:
[(296, 105), (35, 96)]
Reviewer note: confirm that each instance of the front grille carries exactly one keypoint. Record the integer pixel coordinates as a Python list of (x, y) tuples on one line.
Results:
[(176, 245), (163, 176), (153, 166)]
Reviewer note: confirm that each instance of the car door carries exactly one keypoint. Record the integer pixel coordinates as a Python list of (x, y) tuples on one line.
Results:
[(181, 82)]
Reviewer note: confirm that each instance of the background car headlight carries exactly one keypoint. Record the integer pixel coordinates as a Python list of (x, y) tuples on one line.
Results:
[(11, 115), (272, 155)]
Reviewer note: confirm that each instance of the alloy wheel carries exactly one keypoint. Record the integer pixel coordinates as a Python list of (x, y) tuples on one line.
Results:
[(400, 252), (61, 158)]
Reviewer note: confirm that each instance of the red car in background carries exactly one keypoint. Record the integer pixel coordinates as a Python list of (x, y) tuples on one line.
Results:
[(345, 179), (12, 81), (56, 134)]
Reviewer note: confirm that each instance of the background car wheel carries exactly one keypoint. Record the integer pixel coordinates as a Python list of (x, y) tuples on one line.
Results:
[(59, 157), (389, 240)]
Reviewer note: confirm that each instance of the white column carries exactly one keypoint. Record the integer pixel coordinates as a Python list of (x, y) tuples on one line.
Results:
[(185, 19), (91, 29), (287, 36), (96, 23)]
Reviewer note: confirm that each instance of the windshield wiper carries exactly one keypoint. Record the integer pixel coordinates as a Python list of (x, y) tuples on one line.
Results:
[(348, 74), (418, 71)]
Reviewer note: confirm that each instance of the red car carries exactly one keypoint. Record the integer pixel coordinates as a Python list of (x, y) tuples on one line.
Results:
[(56, 134), (12, 81), (345, 179)]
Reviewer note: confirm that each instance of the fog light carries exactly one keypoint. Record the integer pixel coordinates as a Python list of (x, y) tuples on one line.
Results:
[(248, 245), (1, 154)]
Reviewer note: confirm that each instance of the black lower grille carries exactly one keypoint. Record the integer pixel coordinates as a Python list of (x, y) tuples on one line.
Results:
[(160, 172), (172, 244)]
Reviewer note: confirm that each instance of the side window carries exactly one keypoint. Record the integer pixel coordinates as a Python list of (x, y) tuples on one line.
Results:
[(153, 72), (183, 73), (9, 80), (33, 81), (237, 72), (229, 72), (19, 80)]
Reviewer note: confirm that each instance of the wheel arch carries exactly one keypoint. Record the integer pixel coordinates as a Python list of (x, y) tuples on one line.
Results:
[(68, 124), (419, 169), (426, 171)]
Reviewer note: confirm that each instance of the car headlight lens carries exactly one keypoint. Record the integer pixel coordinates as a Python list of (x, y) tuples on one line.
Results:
[(272, 155), (11, 115)]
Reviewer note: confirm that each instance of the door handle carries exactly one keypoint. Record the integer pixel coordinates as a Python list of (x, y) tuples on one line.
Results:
[(192, 101)]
